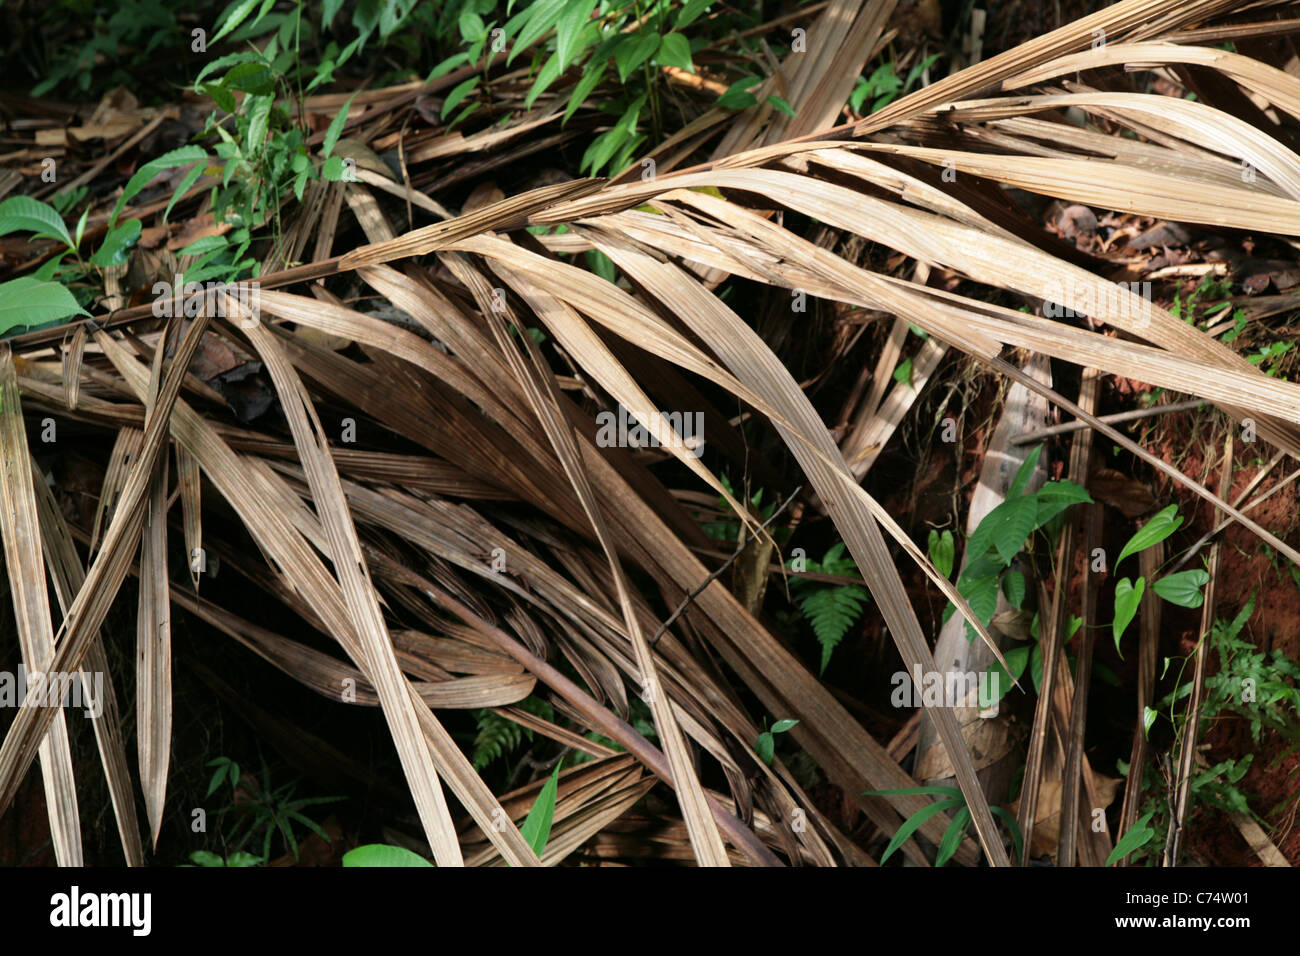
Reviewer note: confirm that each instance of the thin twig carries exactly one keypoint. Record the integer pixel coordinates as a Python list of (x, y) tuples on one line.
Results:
[(726, 564), (1026, 437)]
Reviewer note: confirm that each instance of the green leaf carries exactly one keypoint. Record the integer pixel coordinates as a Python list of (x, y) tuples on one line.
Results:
[(541, 16), (675, 50), (25, 214), (458, 93), (1013, 586), (765, 747), (1161, 526), (582, 90), (116, 245), (943, 552), (933, 789), (1137, 836), (332, 169), (1149, 716), (547, 75), (1055, 496), (1183, 588), (568, 28), (236, 14), (779, 104), (1017, 838), (634, 51), (336, 128), (187, 182), (177, 157), (690, 11), (254, 78), (537, 825), (914, 823), (781, 726), (903, 373), (1021, 481), (329, 10), (1127, 598), (1018, 658), (736, 97), (1005, 528), (952, 836), (31, 302), (382, 854)]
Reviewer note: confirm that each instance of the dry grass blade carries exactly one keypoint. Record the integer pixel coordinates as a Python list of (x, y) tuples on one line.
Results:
[(362, 602), (67, 574), (83, 618), (153, 635), (25, 565), (539, 385)]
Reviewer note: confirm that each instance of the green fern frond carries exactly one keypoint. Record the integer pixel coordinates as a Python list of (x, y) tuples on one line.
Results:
[(496, 737), (831, 612)]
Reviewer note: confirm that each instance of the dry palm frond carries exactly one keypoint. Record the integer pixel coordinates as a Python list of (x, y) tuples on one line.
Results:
[(503, 540)]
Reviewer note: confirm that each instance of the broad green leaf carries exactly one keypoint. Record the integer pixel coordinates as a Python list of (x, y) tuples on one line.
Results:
[(675, 50), (117, 244), (1013, 586), (1137, 836), (1149, 716), (634, 51), (781, 726), (329, 10), (536, 828), (1055, 496), (254, 78), (332, 169), (943, 552), (177, 157), (1005, 528), (1161, 526), (25, 214), (765, 747), (382, 854), (336, 128), (31, 302), (1182, 588), (736, 97), (1127, 597)]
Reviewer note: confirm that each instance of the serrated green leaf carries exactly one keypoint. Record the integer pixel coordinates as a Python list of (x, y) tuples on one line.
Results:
[(30, 302), (236, 14), (540, 17), (25, 214)]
